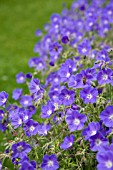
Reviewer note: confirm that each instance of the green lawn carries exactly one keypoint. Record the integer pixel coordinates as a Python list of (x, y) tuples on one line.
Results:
[(18, 23)]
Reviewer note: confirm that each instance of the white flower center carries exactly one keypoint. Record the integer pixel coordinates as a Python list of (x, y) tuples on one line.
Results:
[(45, 132), (54, 97), (21, 78), (40, 64), (20, 121), (98, 142), (19, 148), (105, 77), (50, 163), (103, 56), (74, 69), (49, 112), (105, 21), (90, 24), (37, 87), (68, 75), (26, 117), (84, 50), (109, 12), (56, 89), (4, 100), (56, 80), (67, 97), (79, 37), (76, 121), (32, 128), (70, 144), (93, 132), (89, 96), (109, 164), (26, 102), (111, 117), (55, 19)]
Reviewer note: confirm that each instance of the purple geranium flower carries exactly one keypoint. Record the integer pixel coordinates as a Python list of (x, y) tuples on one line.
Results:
[(50, 162), (26, 165), (75, 120), (104, 76), (47, 110), (31, 109), (26, 101), (55, 48), (105, 157), (91, 130), (84, 47), (17, 93), (73, 81), (97, 141), (43, 129), (40, 64), (65, 73), (20, 78), (107, 116), (82, 79), (38, 33), (3, 98), (55, 18), (89, 94), (68, 142), (20, 149), (103, 55), (34, 86), (19, 116), (105, 160), (67, 97), (16, 119), (31, 128)]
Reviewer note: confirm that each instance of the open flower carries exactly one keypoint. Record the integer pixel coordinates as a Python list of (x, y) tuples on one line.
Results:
[(107, 116), (50, 162), (20, 149), (17, 93), (84, 47), (67, 97), (3, 98), (47, 110), (26, 101), (97, 141), (20, 78), (55, 48), (104, 76), (89, 94), (105, 160), (75, 120), (68, 142), (91, 130), (31, 128)]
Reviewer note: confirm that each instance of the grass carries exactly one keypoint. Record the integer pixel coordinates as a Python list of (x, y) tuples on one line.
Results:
[(19, 21)]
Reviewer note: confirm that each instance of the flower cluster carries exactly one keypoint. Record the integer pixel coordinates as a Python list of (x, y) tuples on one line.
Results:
[(65, 119)]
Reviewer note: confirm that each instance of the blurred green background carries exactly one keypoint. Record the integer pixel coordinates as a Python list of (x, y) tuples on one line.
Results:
[(19, 19)]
